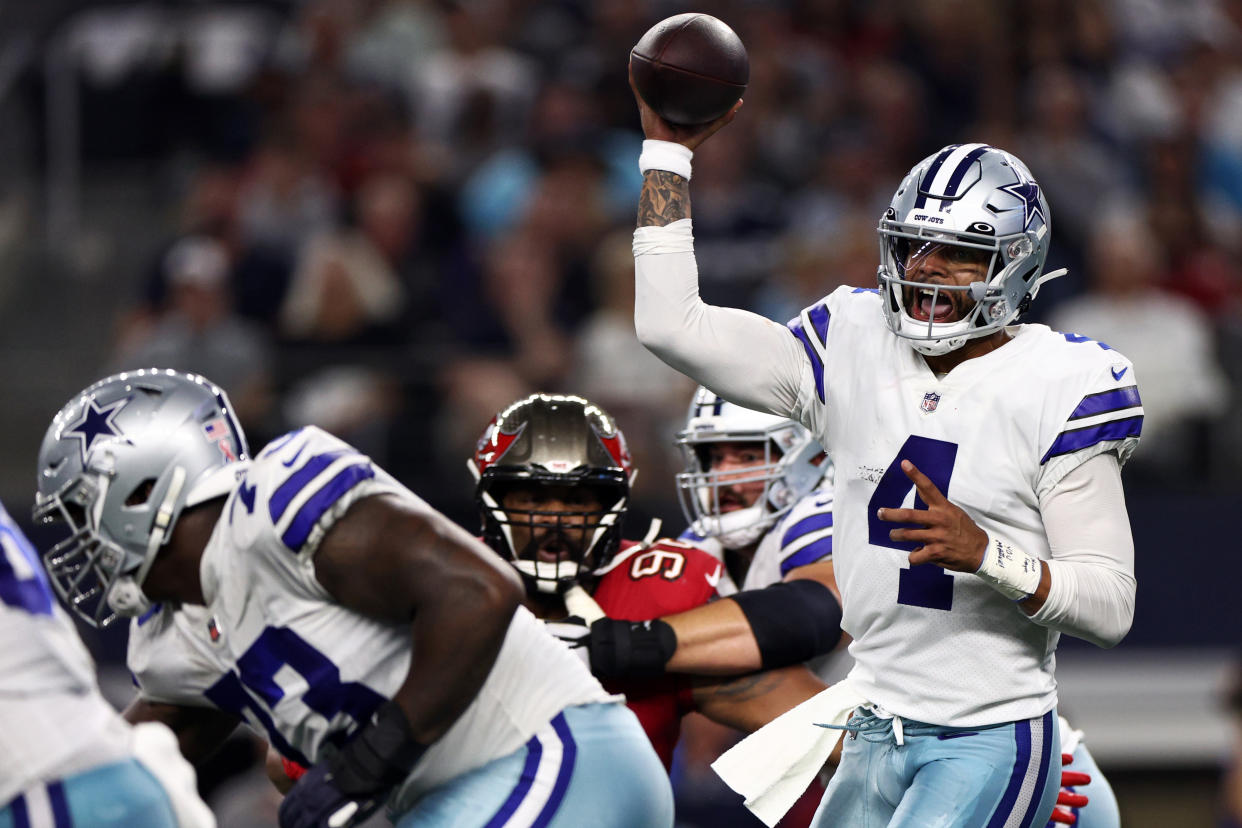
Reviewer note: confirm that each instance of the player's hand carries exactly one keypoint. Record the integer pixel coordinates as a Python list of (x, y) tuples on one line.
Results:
[(316, 801), (947, 537), (1066, 798), (658, 129)]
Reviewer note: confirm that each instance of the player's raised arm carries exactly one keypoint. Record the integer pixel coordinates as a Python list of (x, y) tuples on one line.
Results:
[(744, 356)]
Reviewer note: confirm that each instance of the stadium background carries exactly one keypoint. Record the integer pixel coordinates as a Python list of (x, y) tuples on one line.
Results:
[(391, 217)]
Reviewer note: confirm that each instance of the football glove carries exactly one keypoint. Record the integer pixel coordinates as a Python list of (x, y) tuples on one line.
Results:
[(349, 787), (1069, 799)]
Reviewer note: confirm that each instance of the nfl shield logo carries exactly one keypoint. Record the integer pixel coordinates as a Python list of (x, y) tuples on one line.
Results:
[(930, 400)]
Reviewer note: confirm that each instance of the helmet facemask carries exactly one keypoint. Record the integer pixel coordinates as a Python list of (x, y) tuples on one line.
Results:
[(554, 549)]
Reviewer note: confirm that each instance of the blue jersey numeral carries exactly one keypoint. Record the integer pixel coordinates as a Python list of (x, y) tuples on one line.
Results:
[(925, 585), (253, 686), (22, 582)]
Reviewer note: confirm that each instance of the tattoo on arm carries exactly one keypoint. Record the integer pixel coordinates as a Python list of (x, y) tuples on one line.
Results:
[(665, 199), (745, 687)]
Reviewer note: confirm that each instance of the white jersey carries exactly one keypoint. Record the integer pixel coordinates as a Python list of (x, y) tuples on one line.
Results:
[(995, 435), (53, 721), (304, 670), (801, 536)]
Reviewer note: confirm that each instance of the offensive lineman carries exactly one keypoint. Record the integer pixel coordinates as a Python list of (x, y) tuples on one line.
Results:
[(979, 509), (368, 637)]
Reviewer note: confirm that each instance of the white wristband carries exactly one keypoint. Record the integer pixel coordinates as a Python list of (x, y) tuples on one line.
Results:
[(1010, 571), (667, 156)]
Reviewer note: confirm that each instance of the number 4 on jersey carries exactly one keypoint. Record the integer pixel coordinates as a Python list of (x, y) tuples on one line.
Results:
[(925, 585)]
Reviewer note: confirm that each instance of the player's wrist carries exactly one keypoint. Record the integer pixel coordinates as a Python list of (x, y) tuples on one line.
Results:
[(1010, 571), (381, 756), (631, 648), (668, 156)]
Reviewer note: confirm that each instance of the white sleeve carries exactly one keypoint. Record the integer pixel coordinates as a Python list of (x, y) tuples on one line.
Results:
[(1092, 566), (742, 356)]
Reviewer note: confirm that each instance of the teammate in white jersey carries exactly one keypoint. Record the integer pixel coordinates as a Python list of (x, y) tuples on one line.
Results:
[(365, 635), (66, 756), (979, 510)]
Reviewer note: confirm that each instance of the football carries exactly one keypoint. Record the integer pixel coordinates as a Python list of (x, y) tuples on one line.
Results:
[(690, 68)]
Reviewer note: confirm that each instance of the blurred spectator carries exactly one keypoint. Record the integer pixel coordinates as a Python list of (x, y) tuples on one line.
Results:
[(1231, 793), (1168, 339), (199, 332), (350, 284), (284, 198)]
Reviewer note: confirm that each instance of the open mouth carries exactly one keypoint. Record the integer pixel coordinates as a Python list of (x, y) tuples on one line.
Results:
[(928, 304)]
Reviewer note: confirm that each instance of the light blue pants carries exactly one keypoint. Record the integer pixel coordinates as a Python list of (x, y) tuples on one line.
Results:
[(1002, 776), (123, 795), (1101, 810), (593, 767)]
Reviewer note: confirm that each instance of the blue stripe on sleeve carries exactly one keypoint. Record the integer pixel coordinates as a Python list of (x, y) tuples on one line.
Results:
[(1080, 438), (299, 480), (806, 526), (323, 500), (60, 805), (819, 320), (814, 551), (691, 535), (1106, 401), (817, 364)]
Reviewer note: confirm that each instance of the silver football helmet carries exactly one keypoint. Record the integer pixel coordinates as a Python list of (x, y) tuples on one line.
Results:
[(793, 465), (553, 440), (118, 465), (975, 199)]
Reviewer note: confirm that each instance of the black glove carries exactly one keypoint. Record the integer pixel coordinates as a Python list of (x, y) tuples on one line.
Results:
[(349, 787), (630, 648)]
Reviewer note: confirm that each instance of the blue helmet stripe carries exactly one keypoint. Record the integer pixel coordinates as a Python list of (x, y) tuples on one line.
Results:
[(955, 180), (930, 176)]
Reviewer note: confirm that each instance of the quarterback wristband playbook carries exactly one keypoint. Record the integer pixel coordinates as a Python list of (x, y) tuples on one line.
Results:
[(1010, 571), (792, 621), (665, 155)]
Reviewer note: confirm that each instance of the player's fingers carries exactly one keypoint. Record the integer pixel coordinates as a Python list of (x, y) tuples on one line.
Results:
[(1074, 779), (1071, 799), (1062, 817), (920, 516), (927, 489), (921, 536)]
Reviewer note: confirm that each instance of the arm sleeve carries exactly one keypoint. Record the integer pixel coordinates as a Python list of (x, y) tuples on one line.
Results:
[(739, 355), (1092, 566)]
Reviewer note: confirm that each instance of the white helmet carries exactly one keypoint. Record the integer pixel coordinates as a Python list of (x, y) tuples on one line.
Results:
[(794, 464), (972, 196)]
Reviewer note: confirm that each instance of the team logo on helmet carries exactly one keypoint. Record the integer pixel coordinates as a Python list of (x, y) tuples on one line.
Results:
[(95, 423)]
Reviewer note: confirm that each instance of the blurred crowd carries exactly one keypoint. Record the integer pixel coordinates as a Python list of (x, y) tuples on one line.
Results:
[(392, 217)]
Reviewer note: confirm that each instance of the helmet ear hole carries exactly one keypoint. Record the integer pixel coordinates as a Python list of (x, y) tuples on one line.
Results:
[(141, 493)]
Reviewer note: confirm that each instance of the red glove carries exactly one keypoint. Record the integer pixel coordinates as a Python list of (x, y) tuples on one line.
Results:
[(1069, 779)]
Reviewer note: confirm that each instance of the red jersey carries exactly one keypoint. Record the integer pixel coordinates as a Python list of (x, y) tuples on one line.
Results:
[(646, 582)]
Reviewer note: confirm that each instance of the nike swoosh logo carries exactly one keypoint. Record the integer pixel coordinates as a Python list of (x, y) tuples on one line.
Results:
[(943, 736), (1119, 374), (288, 464), (714, 578)]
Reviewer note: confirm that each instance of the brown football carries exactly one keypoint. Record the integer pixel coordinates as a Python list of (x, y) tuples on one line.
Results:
[(690, 68)]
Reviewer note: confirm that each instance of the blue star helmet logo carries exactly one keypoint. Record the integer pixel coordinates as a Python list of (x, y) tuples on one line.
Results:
[(95, 423), (1028, 193)]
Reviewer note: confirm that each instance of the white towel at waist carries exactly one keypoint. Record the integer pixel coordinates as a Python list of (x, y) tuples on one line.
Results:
[(772, 767)]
